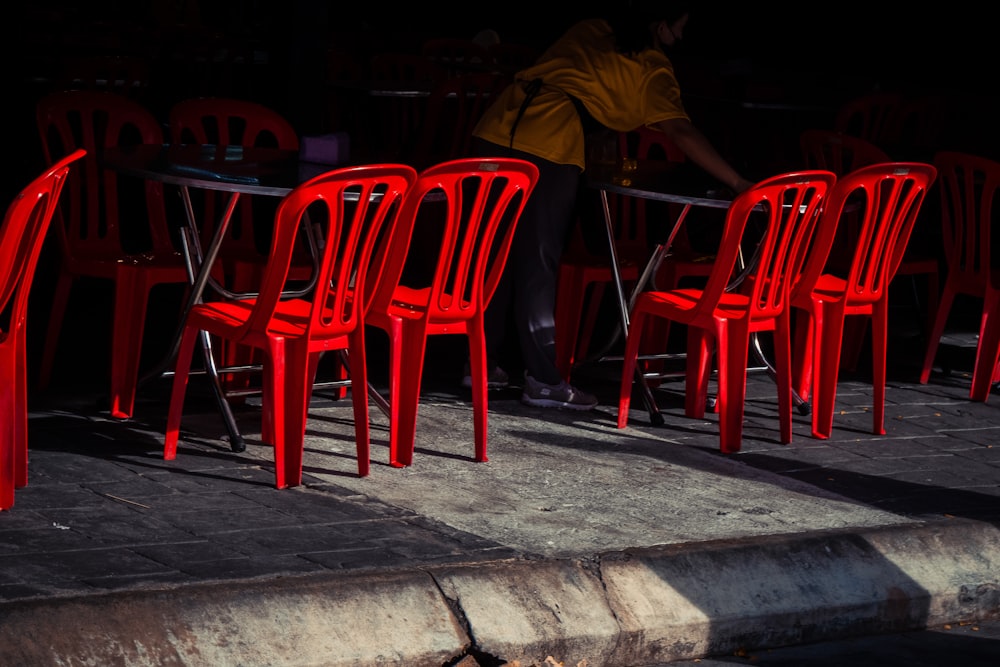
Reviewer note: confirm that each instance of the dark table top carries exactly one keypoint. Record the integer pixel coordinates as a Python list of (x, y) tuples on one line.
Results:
[(658, 180), (263, 171)]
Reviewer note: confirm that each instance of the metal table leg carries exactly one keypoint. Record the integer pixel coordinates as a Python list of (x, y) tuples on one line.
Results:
[(625, 305)]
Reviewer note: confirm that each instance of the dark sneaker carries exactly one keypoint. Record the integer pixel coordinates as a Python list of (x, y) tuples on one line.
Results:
[(562, 395), (497, 378)]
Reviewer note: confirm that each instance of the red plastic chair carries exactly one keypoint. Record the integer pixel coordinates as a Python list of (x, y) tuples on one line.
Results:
[(584, 274), (883, 200), (787, 207), (986, 370), (226, 121), (482, 202), (21, 238), (233, 122), (842, 153), (292, 334), (871, 116), (102, 232), (969, 187), (838, 151)]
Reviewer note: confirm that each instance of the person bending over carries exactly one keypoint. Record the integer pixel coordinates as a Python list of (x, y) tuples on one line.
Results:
[(613, 72)]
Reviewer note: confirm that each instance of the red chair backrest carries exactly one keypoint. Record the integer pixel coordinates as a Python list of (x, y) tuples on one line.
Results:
[(482, 200), (654, 145), (884, 201), (91, 207), (838, 152), (969, 185), (21, 237), (226, 121), (231, 122), (786, 211), (351, 205), (870, 116)]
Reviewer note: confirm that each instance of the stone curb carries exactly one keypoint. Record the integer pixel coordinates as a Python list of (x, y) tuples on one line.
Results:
[(636, 607)]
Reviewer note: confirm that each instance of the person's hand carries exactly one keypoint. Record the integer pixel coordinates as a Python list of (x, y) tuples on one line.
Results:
[(741, 185)]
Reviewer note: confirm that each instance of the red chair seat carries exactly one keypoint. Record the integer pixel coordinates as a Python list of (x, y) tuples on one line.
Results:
[(292, 334), (884, 201), (716, 316), (473, 250)]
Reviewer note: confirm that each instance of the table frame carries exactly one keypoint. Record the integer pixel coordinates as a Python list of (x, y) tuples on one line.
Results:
[(136, 162), (619, 179)]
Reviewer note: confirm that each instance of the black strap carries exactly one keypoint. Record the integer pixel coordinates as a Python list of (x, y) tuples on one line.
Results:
[(530, 90), (589, 124), (587, 121)]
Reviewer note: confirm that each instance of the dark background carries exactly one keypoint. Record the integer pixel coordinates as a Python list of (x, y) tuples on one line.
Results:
[(283, 53)]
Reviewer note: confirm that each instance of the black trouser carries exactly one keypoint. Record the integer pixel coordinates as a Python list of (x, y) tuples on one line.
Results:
[(527, 290)]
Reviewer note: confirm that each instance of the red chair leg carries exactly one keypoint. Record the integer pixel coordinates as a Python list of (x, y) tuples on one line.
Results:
[(408, 343), (783, 375), (700, 351), (987, 349), (480, 370), (802, 354), (629, 363), (19, 418), (734, 348), (285, 405), (131, 301), (8, 423), (934, 337), (880, 326), (358, 372), (182, 369), (297, 394), (828, 334)]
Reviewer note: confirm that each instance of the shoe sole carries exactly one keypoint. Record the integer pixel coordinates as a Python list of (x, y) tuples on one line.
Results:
[(549, 403)]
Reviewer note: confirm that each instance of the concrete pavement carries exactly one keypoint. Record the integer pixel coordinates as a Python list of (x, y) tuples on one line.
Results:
[(576, 544)]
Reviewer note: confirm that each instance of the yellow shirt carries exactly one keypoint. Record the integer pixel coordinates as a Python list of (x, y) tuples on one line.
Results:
[(621, 92)]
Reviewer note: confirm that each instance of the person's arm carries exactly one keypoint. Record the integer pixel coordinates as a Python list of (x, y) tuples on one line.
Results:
[(700, 150)]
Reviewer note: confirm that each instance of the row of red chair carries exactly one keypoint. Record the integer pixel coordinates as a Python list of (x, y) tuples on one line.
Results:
[(98, 224), (583, 273), (478, 201), (967, 190), (94, 220), (801, 213), (291, 334)]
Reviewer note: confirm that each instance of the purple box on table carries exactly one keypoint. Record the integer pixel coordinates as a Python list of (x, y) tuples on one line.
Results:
[(332, 149)]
